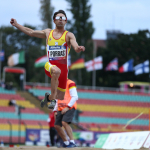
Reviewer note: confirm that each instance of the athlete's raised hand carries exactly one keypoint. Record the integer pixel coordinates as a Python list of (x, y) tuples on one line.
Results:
[(13, 22), (81, 48)]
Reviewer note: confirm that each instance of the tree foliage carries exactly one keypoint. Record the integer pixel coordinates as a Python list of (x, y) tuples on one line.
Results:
[(81, 26), (46, 12), (125, 47), (14, 41)]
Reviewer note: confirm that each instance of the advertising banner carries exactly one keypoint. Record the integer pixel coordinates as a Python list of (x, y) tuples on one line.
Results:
[(38, 136), (86, 135), (125, 140), (101, 141), (147, 142)]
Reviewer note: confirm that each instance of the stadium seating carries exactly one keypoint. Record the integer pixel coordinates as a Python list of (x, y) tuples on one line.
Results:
[(107, 111), (3, 90), (12, 126)]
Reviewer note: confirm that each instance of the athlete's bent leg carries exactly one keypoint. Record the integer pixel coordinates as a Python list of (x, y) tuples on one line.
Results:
[(55, 73)]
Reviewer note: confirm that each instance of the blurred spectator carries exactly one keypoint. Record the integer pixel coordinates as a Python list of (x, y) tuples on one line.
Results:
[(12, 102), (2, 84), (6, 85), (52, 130), (9, 86), (54, 137), (18, 108), (21, 82)]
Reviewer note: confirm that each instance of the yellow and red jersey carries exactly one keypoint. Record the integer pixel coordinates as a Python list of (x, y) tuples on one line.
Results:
[(57, 53), (57, 49)]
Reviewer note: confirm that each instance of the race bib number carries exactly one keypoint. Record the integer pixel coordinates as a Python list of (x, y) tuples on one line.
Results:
[(56, 52)]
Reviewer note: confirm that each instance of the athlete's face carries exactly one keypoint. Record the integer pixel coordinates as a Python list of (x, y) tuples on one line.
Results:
[(60, 20)]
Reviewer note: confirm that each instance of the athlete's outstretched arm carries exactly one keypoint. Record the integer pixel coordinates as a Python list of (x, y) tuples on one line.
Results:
[(74, 43), (28, 31)]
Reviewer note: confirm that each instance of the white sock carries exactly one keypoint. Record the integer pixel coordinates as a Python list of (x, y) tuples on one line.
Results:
[(66, 142), (72, 141)]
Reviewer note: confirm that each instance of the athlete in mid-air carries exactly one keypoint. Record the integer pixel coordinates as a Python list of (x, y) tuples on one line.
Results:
[(58, 44)]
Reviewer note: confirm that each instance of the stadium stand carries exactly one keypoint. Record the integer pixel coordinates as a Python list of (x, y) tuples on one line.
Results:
[(13, 126), (107, 111)]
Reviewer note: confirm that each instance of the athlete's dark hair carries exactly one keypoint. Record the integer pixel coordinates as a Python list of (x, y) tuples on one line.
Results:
[(58, 12)]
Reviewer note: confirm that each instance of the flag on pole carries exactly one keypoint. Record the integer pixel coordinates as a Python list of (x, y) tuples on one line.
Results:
[(113, 65), (127, 67), (40, 62), (2, 55), (78, 64), (16, 58), (95, 64), (142, 68)]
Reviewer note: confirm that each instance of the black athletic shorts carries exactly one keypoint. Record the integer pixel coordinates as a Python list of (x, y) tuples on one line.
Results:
[(67, 117)]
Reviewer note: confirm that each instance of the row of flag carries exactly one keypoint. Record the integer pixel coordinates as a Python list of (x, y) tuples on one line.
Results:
[(128, 67), (95, 64), (14, 59)]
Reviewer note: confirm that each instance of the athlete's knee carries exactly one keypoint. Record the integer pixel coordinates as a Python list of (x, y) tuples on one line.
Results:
[(56, 72)]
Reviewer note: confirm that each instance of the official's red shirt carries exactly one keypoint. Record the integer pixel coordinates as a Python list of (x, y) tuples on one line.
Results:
[(52, 119)]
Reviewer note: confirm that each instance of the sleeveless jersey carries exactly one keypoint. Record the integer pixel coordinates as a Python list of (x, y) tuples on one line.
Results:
[(57, 49), (57, 53)]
